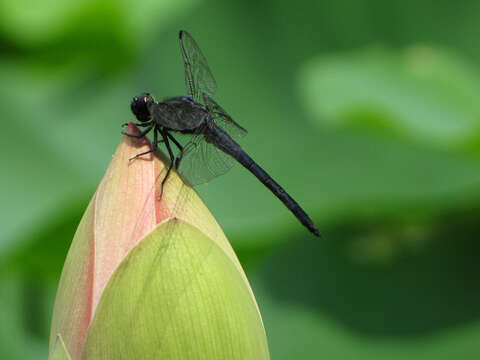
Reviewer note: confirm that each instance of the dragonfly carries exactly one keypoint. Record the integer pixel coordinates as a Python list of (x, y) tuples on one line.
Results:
[(212, 148)]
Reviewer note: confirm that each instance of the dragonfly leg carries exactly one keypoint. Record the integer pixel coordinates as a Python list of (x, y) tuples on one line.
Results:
[(179, 157), (141, 135), (180, 147), (177, 144), (140, 154), (138, 124), (172, 159), (154, 146), (178, 160)]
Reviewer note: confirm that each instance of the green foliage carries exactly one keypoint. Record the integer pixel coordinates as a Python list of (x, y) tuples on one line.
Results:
[(420, 94), (366, 112)]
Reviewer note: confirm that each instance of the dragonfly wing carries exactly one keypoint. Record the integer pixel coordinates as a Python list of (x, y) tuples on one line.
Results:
[(198, 76), (201, 162), (222, 119)]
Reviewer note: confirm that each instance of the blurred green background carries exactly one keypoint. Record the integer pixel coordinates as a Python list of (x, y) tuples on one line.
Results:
[(367, 112)]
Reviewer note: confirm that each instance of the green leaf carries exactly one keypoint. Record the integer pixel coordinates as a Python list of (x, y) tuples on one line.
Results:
[(376, 290), (177, 295), (422, 94), (21, 320)]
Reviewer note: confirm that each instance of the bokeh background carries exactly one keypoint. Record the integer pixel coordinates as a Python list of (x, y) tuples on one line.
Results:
[(366, 111)]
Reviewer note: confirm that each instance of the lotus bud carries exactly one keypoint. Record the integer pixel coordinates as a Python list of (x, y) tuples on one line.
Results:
[(151, 275)]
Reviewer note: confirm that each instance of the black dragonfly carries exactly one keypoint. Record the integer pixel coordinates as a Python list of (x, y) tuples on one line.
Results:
[(211, 150)]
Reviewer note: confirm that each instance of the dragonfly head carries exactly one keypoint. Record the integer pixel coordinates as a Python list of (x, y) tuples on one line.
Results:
[(140, 107)]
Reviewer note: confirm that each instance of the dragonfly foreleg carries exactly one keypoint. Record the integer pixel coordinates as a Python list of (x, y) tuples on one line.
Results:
[(154, 145), (141, 135), (137, 124)]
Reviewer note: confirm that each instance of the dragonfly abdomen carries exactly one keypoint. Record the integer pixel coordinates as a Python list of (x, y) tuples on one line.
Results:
[(229, 146)]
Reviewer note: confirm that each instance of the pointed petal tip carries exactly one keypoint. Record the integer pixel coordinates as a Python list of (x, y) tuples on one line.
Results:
[(59, 350), (132, 128)]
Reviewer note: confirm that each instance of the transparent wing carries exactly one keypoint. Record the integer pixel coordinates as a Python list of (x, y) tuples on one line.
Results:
[(201, 162), (222, 119), (198, 77)]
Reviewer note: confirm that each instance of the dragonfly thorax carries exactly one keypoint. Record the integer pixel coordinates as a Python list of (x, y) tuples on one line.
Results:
[(180, 114)]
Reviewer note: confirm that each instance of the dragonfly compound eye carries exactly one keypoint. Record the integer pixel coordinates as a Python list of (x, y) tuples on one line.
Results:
[(139, 106)]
